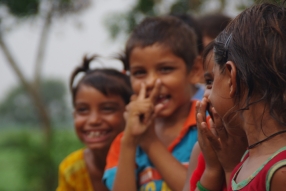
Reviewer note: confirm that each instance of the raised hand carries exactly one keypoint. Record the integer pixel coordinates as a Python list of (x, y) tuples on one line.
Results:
[(141, 111), (204, 133), (229, 147)]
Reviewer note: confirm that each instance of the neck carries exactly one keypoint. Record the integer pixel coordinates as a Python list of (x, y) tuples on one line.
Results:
[(178, 116), (97, 157), (258, 125)]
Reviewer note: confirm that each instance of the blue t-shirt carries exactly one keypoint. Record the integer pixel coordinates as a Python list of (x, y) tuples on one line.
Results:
[(148, 178)]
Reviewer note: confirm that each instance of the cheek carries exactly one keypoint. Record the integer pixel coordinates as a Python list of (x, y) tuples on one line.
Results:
[(79, 121), (116, 121), (207, 93), (136, 84)]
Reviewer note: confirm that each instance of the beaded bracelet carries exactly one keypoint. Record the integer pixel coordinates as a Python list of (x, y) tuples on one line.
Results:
[(200, 187)]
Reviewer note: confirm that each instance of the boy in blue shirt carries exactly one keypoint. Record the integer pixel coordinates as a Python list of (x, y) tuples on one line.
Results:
[(153, 151)]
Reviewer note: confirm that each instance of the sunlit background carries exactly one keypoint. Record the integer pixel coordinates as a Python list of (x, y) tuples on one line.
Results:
[(41, 42)]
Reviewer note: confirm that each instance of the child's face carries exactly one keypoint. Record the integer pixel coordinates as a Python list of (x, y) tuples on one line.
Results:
[(220, 95), (97, 118), (156, 62), (208, 73)]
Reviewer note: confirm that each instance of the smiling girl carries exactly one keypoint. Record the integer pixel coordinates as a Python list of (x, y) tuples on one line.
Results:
[(99, 100)]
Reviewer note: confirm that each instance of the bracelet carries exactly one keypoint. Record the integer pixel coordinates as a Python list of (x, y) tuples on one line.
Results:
[(200, 187)]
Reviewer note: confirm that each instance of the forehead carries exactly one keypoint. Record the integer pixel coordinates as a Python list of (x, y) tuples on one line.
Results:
[(87, 93), (208, 62), (153, 54)]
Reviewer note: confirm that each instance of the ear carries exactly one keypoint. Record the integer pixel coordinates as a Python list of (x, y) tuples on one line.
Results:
[(196, 73), (230, 70)]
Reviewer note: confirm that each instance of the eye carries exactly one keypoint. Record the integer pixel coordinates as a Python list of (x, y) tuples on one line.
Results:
[(166, 69), (138, 73), (81, 110), (109, 108), (209, 83)]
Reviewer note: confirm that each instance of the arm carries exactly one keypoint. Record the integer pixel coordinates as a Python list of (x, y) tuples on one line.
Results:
[(126, 168), (192, 165), (139, 117), (171, 170)]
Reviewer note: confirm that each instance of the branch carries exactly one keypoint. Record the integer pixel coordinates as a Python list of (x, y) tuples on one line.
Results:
[(42, 46), (43, 114)]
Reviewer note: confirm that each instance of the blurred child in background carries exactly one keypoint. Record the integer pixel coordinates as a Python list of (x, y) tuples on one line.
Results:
[(99, 101), (153, 151), (211, 25)]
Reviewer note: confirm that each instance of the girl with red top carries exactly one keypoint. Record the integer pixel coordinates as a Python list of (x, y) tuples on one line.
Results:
[(248, 95)]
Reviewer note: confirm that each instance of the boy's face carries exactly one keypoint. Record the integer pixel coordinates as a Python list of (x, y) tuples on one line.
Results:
[(156, 62)]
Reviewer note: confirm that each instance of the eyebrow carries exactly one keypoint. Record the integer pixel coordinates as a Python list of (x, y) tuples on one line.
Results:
[(208, 74)]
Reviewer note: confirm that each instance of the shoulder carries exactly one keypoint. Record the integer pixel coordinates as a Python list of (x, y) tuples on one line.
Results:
[(278, 181), (72, 159), (113, 153)]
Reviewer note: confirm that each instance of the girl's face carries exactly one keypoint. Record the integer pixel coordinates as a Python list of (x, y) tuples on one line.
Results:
[(157, 62), (208, 73), (221, 94), (97, 118)]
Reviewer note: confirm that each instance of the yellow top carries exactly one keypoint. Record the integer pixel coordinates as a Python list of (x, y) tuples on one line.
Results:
[(73, 174)]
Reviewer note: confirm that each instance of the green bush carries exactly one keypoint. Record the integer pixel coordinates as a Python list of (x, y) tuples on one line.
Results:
[(26, 163)]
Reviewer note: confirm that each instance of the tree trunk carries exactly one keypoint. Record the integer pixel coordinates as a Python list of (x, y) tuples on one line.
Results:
[(42, 46), (34, 94)]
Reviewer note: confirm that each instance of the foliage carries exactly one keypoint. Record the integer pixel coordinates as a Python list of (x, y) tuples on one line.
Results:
[(22, 8), (123, 23), (26, 163), (17, 107)]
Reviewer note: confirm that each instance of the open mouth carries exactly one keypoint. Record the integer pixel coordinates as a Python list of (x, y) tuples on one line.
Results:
[(163, 99), (94, 134)]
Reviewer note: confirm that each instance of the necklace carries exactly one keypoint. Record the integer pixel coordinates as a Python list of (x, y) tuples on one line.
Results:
[(266, 139)]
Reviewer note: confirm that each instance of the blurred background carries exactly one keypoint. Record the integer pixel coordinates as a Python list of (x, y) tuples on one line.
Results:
[(41, 42)]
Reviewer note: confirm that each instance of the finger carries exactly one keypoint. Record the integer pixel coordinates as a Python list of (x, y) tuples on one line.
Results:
[(142, 92), (203, 108), (133, 97), (212, 139), (218, 125), (148, 113), (155, 91)]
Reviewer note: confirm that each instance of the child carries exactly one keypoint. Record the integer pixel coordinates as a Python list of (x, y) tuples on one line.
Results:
[(153, 154), (211, 25), (99, 100), (250, 70)]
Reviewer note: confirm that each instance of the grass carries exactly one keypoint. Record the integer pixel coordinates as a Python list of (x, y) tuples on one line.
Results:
[(24, 162)]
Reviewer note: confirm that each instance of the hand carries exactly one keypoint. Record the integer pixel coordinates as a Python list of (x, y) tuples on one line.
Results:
[(211, 159), (229, 147), (140, 113)]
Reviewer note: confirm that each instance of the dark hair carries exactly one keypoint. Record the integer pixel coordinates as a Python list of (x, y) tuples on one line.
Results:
[(192, 22), (206, 52), (108, 81), (256, 42), (212, 24), (167, 31)]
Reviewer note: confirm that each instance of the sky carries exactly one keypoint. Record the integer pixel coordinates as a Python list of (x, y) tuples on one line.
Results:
[(69, 40)]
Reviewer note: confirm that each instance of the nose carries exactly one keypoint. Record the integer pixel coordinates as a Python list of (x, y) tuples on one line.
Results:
[(94, 118), (207, 93), (150, 81)]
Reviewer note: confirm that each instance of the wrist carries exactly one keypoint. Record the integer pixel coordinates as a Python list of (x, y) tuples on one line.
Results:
[(212, 179)]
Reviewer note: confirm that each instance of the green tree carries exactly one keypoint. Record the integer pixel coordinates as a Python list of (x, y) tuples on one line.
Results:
[(123, 23), (46, 11), (17, 108)]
